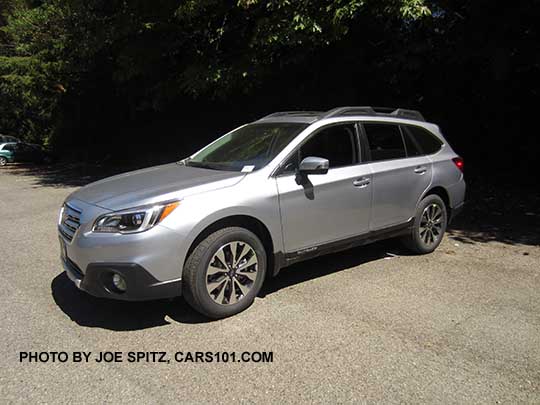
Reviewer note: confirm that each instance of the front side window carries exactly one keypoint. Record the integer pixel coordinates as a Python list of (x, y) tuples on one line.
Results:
[(385, 142), (9, 147), (336, 143), (250, 147)]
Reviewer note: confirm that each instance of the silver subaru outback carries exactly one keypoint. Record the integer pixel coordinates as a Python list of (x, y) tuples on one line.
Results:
[(290, 186)]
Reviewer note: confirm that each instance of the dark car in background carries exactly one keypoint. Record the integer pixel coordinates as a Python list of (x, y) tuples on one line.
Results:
[(8, 138), (15, 152)]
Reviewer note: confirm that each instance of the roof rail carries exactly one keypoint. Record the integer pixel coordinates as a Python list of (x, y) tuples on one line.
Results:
[(283, 113), (348, 111), (378, 111), (341, 111), (410, 114)]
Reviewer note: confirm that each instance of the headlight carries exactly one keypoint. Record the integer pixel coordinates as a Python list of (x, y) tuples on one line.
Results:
[(134, 220)]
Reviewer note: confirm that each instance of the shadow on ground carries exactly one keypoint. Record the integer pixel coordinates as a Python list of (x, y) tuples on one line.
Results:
[(332, 263), (89, 311), (64, 175), (499, 210)]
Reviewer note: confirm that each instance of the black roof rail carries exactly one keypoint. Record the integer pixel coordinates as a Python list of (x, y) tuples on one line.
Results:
[(377, 111), (348, 111), (410, 114), (284, 113), (341, 111)]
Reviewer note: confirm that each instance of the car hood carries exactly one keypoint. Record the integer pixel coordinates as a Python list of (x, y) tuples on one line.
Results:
[(154, 184)]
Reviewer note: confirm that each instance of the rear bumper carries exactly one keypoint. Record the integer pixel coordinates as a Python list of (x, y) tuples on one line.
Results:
[(141, 285), (456, 211)]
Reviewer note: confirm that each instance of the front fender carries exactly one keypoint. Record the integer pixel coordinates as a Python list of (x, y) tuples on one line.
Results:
[(198, 212)]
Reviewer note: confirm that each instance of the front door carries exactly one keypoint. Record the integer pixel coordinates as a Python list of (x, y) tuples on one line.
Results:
[(327, 207)]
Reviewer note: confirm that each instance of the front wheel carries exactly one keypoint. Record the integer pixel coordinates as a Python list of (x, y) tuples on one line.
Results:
[(3, 161), (224, 273), (429, 226)]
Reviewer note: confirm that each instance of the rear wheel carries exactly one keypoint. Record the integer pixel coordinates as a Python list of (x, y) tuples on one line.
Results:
[(3, 161), (225, 272), (429, 226)]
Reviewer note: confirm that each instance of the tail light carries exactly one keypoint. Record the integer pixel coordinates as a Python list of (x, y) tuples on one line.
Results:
[(459, 163)]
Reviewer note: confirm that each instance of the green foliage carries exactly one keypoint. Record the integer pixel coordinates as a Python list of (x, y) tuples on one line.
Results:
[(54, 53), (30, 72), (237, 47)]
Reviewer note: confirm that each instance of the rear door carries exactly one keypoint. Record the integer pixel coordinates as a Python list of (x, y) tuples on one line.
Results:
[(329, 207), (400, 174)]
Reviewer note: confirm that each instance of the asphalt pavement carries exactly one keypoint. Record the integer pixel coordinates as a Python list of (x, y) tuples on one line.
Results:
[(372, 324)]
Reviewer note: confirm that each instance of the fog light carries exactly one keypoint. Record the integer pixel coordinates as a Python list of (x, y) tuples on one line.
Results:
[(119, 282)]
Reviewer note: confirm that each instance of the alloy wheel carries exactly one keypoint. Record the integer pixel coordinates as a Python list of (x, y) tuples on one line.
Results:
[(3, 161), (231, 273), (431, 224)]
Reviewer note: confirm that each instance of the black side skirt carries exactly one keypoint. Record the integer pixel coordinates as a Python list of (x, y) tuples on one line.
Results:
[(286, 259)]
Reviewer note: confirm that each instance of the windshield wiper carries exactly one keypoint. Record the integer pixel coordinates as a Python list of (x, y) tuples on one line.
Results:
[(212, 166), (183, 161)]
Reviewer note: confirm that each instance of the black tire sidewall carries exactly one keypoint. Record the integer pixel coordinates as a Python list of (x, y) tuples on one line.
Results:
[(206, 303), (420, 246)]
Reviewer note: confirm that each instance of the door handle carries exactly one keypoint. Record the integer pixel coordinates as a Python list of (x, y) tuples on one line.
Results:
[(420, 169), (361, 182)]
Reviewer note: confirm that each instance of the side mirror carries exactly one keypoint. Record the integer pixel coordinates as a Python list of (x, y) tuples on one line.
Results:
[(314, 165)]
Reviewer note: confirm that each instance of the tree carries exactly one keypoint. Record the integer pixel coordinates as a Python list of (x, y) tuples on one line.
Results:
[(57, 54)]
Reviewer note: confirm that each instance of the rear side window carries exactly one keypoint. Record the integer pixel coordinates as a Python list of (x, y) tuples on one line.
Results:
[(413, 149), (428, 142), (385, 141)]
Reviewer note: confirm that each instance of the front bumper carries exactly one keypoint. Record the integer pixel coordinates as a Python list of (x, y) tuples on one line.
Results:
[(141, 285), (159, 250)]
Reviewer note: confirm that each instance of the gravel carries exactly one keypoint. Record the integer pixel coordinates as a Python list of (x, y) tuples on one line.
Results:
[(370, 324)]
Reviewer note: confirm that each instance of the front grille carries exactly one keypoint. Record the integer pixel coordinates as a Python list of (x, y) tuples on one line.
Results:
[(69, 222)]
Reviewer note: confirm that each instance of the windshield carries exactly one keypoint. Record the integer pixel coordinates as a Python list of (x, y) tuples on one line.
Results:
[(248, 148)]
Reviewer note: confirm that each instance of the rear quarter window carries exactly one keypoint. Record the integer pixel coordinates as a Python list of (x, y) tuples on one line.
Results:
[(428, 142)]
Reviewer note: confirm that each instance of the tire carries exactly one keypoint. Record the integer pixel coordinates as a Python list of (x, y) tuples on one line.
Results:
[(3, 161), (429, 226), (207, 281)]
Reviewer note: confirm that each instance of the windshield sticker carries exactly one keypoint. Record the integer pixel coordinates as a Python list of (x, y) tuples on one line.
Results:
[(248, 169)]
